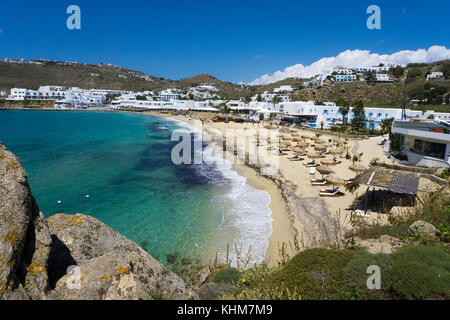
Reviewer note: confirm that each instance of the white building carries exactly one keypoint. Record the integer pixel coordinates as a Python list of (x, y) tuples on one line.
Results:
[(383, 77), (423, 143), (283, 89), (345, 77), (435, 75)]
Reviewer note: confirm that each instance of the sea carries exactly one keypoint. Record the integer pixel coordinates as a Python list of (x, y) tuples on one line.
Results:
[(117, 167)]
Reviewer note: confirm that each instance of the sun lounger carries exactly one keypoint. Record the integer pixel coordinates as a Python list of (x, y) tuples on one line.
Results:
[(329, 193), (295, 158), (337, 161), (363, 213), (311, 164), (318, 182)]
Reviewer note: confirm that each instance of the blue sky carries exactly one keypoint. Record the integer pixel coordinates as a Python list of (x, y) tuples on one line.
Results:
[(233, 40)]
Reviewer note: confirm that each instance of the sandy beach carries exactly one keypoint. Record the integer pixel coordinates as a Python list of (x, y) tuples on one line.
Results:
[(301, 218)]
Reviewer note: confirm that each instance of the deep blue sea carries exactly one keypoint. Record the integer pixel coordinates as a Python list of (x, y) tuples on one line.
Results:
[(117, 167)]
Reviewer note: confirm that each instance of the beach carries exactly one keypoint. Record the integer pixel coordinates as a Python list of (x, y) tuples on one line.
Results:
[(300, 217)]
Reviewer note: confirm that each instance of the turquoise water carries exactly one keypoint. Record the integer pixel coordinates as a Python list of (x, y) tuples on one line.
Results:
[(117, 167)]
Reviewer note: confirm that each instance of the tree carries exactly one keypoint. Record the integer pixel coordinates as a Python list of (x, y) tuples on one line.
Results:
[(398, 72), (386, 125), (276, 100), (344, 108), (414, 73), (259, 98), (370, 77), (359, 116), (247, 99), (446, 70)]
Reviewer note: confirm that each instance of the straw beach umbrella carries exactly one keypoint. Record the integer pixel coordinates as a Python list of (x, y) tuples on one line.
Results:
[(305, 136), (320, 148), (313, 155), (335, 151), (334, 180), (357, 168), (286, 137), (328, 162), (298, 139), (320, 141), (297, 150), (302, 144), (324, 170)]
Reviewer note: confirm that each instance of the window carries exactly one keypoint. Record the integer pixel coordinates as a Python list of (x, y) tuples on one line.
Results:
[(430, 149)]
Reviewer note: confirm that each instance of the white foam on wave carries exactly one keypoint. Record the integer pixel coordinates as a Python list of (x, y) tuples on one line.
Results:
[(248, 217)]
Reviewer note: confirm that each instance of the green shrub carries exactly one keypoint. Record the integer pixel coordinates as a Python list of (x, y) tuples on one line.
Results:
[(413, 272), (227, 275), (315, 274), (420, 272)]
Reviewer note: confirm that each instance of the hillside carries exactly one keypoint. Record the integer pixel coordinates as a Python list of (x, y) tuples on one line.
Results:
[(389, 95), (102, 77), (107, 77)]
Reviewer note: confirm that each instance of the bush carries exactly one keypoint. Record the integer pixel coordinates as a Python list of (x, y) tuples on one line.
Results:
[(227, 275), (413, 272), (315, 274)]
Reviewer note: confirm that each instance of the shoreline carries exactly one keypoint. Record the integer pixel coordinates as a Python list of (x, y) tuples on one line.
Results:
[(301, 219), (284, 232)]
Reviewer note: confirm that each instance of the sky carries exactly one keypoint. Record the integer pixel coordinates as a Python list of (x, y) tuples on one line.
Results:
[(241, 41)]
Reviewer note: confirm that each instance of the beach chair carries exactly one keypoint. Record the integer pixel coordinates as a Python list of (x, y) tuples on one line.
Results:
[(318, 182), (311, 164), (336, 161), (295, 158), (323, 154), (329, 193)]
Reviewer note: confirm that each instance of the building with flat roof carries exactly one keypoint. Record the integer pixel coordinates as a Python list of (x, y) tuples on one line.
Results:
[(422, 143)]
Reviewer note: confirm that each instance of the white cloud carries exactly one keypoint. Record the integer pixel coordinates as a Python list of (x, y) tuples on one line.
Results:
[(355, 58)]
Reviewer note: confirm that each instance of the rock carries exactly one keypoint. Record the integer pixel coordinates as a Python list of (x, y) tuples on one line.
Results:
[(213, 291), (375, 246), (97, 249), (108, 277), (17, 210), (422, 229), (34, 264), (70, 257), (439, 171), (385, 244), (388, 239), (203, 275)]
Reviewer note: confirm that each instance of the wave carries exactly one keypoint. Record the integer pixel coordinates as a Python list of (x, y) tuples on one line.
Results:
[(248, 216)]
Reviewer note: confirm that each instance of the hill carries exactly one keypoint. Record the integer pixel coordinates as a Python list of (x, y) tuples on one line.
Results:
[(103, 76)]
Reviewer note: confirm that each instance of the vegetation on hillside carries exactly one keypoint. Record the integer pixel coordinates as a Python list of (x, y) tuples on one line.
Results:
[(107, 77)]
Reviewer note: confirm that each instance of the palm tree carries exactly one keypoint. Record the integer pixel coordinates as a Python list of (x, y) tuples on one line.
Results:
[(344, 108), (276, 100)]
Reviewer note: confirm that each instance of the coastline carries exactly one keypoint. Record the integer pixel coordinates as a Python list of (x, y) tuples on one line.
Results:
[(300, 218), (284, 230)]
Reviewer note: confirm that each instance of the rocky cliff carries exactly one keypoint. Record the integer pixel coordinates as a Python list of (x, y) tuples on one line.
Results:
[(70, 257)]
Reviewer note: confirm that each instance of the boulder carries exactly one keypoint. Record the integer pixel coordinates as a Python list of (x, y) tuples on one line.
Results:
[(213, 291), (422, 229), (385, 244), (101, 252), (375, 246), (70, 257), (18, 210)]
